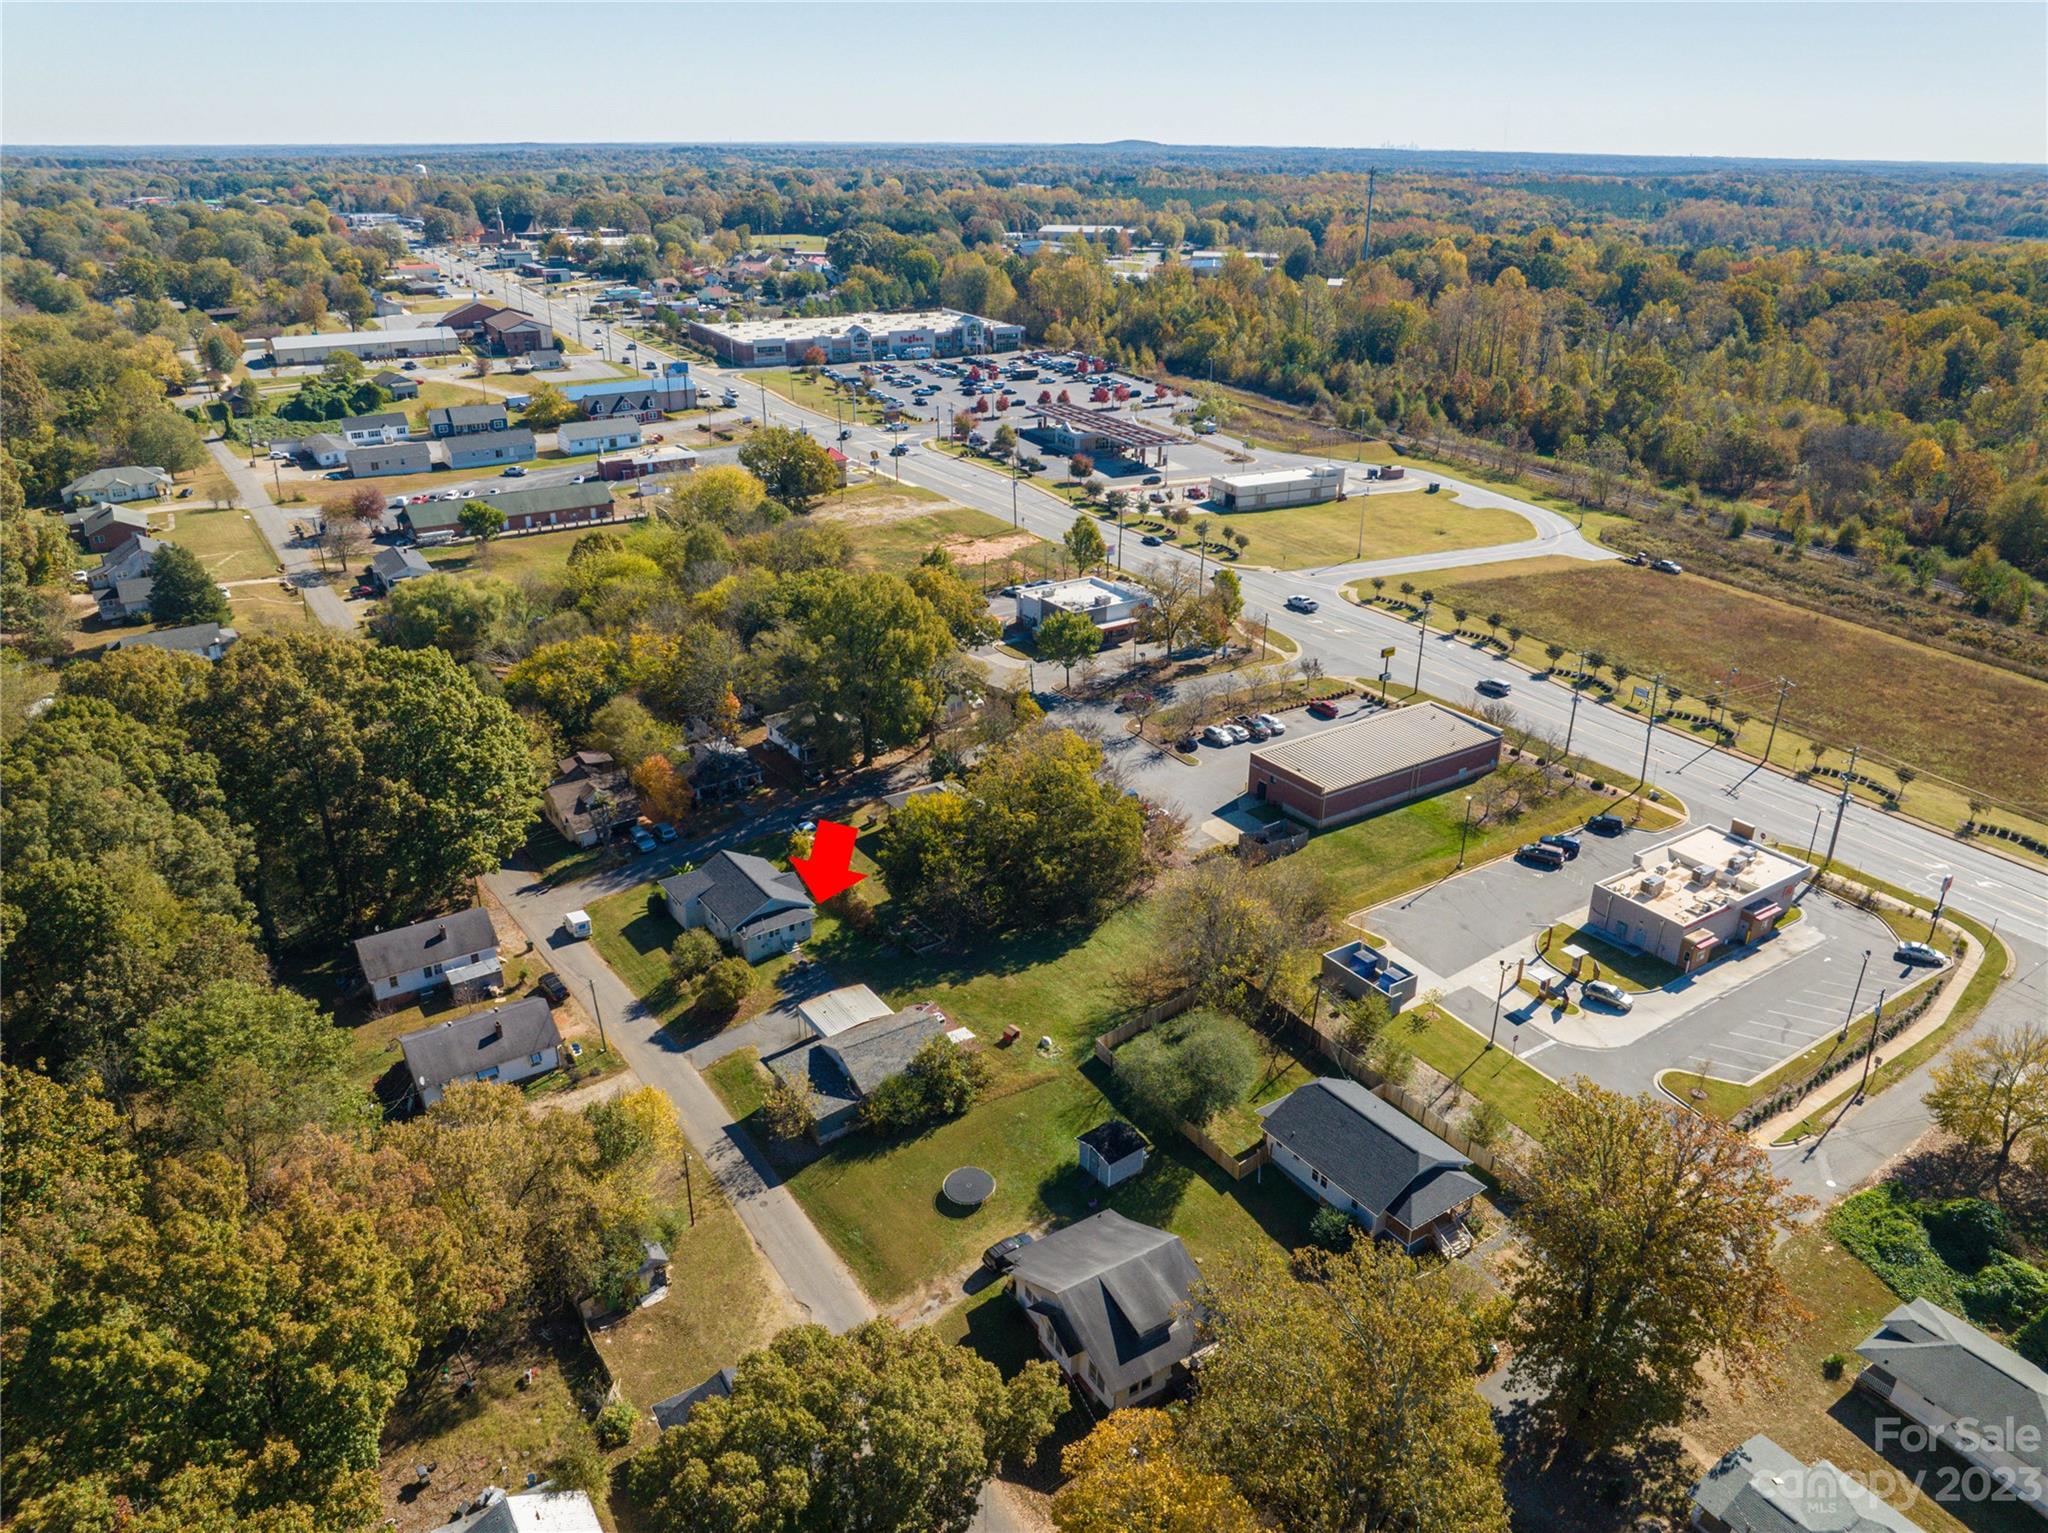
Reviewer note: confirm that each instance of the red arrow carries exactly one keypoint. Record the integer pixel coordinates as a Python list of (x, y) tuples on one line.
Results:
[(829, 868)]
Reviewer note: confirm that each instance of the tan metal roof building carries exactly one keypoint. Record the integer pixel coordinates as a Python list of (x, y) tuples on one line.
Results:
[(1342, 774)]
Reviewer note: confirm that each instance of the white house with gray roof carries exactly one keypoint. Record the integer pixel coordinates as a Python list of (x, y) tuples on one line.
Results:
[(1348, 1149), (1760, 1488), (747, 903), (117, 486), (209, 641), (458, 950), (1112, 1303), (510, 1043), (1981, 1400)]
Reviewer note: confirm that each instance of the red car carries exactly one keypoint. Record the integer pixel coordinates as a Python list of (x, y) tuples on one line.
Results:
[(1322, 709)]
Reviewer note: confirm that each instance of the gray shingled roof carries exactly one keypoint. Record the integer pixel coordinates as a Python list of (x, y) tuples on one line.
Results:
[(450, 1051), (465, 415), (1377, 746), (195, 639), (392, 564), (1760, 1488), (380, 420), (1371, 1151), (1965, 1374), (1113, 1140), (736, 887), (438, 939), (1119, 1291), (675, 1410), (871, 1052)]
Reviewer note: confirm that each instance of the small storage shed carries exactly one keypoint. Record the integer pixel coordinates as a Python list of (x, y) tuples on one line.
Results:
[(1112, 1152)]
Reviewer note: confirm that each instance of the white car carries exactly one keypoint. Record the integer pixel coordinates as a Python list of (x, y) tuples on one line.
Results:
[(1302, 604), (1271, 725), (1219, 735), (1238, 733)]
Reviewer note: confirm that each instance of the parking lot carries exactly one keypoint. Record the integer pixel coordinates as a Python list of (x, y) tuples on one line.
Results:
[(1736, 1019)]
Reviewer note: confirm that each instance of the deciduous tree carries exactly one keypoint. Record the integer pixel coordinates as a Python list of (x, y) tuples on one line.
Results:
[(1992, 1093), (794, 469), (1648, 1235), (1065, 637), (881, 1430), (1132, 1474)]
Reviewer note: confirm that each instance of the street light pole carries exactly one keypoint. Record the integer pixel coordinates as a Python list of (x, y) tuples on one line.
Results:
[(1650, 728), (1841, 806), (1420, 635), (1500, 988), (1855, 995), (1465, 830)]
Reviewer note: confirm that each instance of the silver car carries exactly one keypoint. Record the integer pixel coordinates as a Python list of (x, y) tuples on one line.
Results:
[(1605, 993)]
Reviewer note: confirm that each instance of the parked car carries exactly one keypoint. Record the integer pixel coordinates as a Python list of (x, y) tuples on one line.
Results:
[(1537, 855), (1638, 560), (1919, 955), (1302, 604), (1238, 733), (1569, 845), (1186, 743), (1218, 735), (550, 985), (1668, 567), (1322, 708), (845, 434), (1605, 825), (1492, 686), (1608, 994), (1259, 732), (663, 831), (1153, 479), (1271, 725), (642, 842), (576, 924), (998, 1257)]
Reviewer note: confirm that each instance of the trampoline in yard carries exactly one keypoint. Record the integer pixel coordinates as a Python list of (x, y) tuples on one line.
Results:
[(968, 1187)]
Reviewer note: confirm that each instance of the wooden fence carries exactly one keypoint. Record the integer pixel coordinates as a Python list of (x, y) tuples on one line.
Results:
[(1306, 1040)]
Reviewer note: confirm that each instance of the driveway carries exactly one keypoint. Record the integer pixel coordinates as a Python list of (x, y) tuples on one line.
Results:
[(777, 1028)]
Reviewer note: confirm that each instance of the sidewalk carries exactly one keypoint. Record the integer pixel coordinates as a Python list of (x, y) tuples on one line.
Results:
[(1771, 1129)]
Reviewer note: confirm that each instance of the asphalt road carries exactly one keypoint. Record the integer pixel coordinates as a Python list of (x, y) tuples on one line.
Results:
[(297, 561)]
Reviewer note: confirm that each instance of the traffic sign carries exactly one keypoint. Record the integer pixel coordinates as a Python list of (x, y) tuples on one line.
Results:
[(1387, 653)]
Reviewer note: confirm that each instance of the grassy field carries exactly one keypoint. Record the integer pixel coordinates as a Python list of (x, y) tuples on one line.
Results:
[(811, 393), (226, 542), (1394, 525), (267, 608), (892, 532), (770, 243), (1812, 1416), (541, 553), (1967, 722), (721, 1303)]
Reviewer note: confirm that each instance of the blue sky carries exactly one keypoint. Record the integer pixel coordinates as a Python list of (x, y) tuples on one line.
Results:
[(1827, 80)]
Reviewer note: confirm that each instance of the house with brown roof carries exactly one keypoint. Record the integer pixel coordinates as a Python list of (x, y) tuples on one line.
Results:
[(590, 799)]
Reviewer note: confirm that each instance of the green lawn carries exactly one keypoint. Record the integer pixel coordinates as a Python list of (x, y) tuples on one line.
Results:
[(740, 1082), (267, 608), (811, 393), (1394, 524), (1625, 967), (1454, 1050), (226, 542), (539, 553)]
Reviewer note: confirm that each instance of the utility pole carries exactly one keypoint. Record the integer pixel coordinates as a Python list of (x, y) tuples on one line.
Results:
[(1421, 634), (597, 1011), (1870, 1054), (1465, 830), (1572, 719), (1841, 807), (1777, 713), (1650, 729)]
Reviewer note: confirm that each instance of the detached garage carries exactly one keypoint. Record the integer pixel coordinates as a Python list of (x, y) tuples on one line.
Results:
[(1344, 774)]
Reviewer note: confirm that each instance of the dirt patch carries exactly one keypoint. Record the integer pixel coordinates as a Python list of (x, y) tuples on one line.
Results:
[(980, 550), (891, 509)]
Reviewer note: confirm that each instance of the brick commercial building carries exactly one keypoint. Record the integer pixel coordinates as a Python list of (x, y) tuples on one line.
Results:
[(1354, 770), (855, 337), (1692, 900), (554, 505)]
